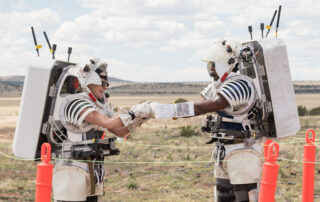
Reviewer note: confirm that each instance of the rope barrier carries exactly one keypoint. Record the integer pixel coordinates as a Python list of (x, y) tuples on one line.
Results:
[(300, 140), (156, 162), (165, 146), (16, 158), (175, 146)]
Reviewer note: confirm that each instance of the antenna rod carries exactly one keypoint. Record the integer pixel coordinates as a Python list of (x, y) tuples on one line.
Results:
[(35, 41), (262, 28), (278, 20), (269, 26), (69, 52), (54, 48), (250, 31), (51, 51)]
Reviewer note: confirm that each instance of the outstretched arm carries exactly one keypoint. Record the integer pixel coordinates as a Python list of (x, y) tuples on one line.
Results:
[(103, 121), (120, 125), (210, 105), (120, 132)]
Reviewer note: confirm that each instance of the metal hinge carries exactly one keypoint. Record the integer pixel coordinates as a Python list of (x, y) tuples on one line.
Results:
[(261, 71), (268, 107), (53, 91), (45, 127)]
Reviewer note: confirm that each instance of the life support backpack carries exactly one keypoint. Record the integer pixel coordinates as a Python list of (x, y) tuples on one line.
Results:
[(44, 88), (266, 62)]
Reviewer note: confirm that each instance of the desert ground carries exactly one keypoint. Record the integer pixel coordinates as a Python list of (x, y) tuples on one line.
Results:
[(156, 163)]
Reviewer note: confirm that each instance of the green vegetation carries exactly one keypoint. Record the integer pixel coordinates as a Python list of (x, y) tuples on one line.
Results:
[(315, 111), (132, 185), (188, 131), (180, 100), (302, 111), (158, 164)]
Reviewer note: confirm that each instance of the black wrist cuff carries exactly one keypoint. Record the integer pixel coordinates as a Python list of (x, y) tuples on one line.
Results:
[(131, 114)]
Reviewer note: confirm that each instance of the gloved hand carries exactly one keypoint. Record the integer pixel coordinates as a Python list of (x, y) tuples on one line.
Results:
[(142, 111), (137, 115), (135, 124), (153, 108)]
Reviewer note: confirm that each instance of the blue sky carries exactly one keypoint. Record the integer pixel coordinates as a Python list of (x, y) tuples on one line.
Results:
[(152, 40)]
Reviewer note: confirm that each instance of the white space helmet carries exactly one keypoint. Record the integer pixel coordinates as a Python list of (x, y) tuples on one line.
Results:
[(224, 55), (93, 73)]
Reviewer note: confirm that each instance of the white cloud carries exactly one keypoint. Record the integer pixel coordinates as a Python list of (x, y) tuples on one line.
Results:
[(177, 33), (160, 3), (128, 71), (16, 43)]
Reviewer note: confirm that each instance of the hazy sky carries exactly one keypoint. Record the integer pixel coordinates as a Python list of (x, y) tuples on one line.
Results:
[(153, 40)]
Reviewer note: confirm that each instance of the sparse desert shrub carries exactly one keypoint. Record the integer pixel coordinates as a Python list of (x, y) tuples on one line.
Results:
[(180, 100), (132, 185), (302, 110), (187, 131), (315, 111), (116, 109)]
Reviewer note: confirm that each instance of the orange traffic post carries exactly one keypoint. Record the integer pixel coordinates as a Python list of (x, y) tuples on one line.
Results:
[(269, 175), (309, 157), (44, 175), (265, 147)]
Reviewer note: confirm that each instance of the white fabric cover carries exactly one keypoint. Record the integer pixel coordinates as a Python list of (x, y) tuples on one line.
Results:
[(70, 183), (281, 88), (242, 164), (32, 105), (206, 93)]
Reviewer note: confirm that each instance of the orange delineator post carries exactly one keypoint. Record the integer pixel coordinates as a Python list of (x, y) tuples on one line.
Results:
[(309, 157), (44, 175), (269, 175), (265, 147)]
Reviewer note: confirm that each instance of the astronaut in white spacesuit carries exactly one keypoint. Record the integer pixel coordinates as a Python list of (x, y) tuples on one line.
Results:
[(85, 116), (233, 96), (238, 149)]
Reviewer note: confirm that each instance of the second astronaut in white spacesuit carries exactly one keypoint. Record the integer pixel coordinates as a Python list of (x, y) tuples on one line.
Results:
[(85, 116), (233, 97), (238, 151)]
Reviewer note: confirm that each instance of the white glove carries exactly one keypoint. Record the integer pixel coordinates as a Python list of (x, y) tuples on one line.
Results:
[(153, 108), (126, 119), (142, 111), (135, 124)]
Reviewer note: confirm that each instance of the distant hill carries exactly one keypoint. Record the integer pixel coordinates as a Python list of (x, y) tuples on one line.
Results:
[(158, 88), (11, 86), (14, 80)]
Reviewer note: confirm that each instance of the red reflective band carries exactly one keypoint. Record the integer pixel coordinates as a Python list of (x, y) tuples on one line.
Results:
[(75, 83), (224, 76), (92, 97), (104, 134)]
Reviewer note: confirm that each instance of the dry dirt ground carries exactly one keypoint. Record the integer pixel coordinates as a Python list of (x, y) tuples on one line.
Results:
[(156, 163)]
